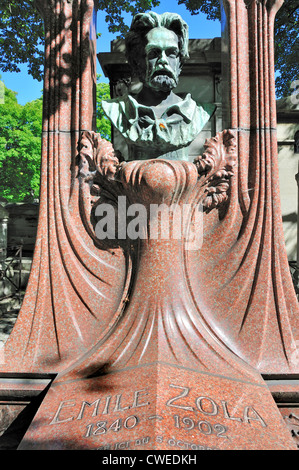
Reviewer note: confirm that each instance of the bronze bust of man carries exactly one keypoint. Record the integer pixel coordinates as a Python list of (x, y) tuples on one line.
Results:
[(157, 123)]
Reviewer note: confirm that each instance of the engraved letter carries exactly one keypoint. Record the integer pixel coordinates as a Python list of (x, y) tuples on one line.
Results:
[(85, 403), (255, 417), (56, 420), (214, 410), (137, 394), (226, 413), (185, 391), (118, 404), (106, 409)]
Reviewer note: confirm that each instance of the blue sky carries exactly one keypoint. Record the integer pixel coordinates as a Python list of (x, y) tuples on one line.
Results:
[(28, 89)]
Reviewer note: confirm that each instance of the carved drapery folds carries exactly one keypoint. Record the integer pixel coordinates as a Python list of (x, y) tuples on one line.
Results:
[(160, 321), (237, 292), (70, 282), (253, 308)]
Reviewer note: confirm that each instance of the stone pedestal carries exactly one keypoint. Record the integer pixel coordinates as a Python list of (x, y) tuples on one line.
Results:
[(158, 379), (151, 344), (158, 406)]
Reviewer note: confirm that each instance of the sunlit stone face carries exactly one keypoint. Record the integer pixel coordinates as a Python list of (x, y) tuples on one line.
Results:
[(162, 60)]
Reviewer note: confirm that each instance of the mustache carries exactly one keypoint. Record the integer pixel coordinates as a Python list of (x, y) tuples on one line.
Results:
[(164, 71)]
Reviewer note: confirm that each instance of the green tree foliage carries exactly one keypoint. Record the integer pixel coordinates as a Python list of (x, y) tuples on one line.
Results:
[(287, 46), (21, 37), (21, 33), (211, 8), (116, 8), (103, 123), (20, 147), (286, 38), (20, 142)]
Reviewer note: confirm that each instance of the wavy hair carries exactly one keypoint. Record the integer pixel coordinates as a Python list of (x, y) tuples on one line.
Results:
[(142, 23)]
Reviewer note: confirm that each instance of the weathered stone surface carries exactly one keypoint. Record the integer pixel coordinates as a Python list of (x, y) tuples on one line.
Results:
[(149, 343), (158, 406), (22, 225)]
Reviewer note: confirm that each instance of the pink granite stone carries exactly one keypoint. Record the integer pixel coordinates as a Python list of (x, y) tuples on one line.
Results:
[(186, 382), (158, 406), (154, 345)]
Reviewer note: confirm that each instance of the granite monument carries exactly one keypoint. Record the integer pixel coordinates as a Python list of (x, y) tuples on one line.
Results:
[(182, 342)]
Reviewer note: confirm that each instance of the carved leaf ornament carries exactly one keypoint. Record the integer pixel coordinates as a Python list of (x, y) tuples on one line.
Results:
[(97, 157), (99, 165), (217, 166)]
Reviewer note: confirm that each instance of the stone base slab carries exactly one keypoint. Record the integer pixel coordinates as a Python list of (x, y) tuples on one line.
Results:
[(158, 406)]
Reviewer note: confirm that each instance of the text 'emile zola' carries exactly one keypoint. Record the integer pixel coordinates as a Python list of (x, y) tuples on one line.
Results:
[(70, 410)]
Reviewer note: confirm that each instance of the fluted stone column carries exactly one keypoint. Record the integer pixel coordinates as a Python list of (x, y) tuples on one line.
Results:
[(253, 307), (61, 316)]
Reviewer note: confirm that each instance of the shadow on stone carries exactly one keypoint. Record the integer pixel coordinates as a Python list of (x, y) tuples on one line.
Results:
[(15, 432)]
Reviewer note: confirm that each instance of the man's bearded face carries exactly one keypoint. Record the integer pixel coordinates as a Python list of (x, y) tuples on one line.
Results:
[(162, 60)]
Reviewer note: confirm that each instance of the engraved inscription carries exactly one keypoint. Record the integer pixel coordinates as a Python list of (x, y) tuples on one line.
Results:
[(124, 445), (202, 426), (102, 406), (184, 393), (199, 416), (210, 407), (143, 441), (102, 427)]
